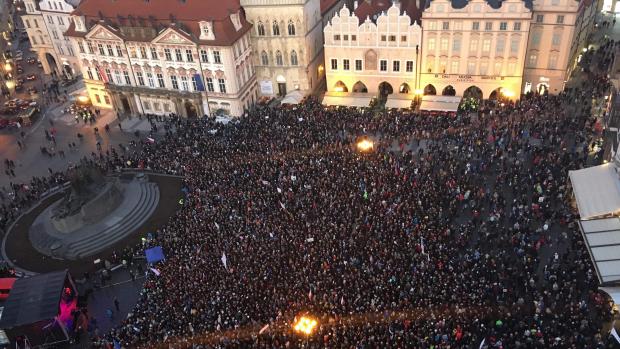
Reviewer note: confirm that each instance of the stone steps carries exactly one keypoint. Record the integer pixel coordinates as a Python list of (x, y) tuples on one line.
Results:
[(138, 214)]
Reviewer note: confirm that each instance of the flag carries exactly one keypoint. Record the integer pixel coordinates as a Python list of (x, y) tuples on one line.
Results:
[(199, 85), (365, 195), (265, 182), (217, 225), (279, 190), (155, 271), (102, 74), (615, 334), (263, 329), (150, 140), (224, 260), (282, 205)]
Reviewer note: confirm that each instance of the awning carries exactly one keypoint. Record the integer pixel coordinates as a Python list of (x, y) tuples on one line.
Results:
[(440, 103), (613, 292), (597, 190), (347, 99), (398, 103), (602, 239), (293, 97)]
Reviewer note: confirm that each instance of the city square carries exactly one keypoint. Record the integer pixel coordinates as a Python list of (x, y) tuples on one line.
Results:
[(186, 174)]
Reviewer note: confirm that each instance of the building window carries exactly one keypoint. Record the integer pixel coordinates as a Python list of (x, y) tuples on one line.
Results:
[(553, 61), (456, 45), (403, 38), (174, 81), (98, 99), (194, 83), (168, 54), (160, 80), (471, 68), (119, 51), (222, 85), (210, 85), (484, 68), (117, 78), (473, 46), (36, 23), (294, 58), (81, 46), (383, 65), (110, 50), (497, 70), (444, 44), (184, 83), (445, 25), (396, 66), (540, 18), (514, 46), (555, 39), (345, 64), (279, 60), (108, 75), (499, 46), (531, 61), (291, 28), (503, 25), (146, 105), (50, 20), (536, 38), (264, 58), (454, 67), (89, 73), (275, 28), (27, 23), (143, 52), (204, 57), (156, 106), (409, 66), (336, 37), (358, 64), (140, 78), (559, 19), (127, 79), (101, 50), (475, 26), (486, 45), (151, 81), (431, 44), (260, 28), (189, 55), (132, 52), (345, 37), (353, 37), (216, 57), (516, 26), (511, 68), (432, 25), (153, 53), (34, 41), (383, 37), (179, 55), (334, 64), (488, 26)]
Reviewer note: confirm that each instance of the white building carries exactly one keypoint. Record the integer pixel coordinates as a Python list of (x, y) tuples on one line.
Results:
[(193, 58), (287, 40), (551, 34), (373, 50), (46, 22), (474, 48)]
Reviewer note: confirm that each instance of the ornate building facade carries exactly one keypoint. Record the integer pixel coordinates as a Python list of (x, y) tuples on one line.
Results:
[(287, 41), (374, 49), (474, 48), (46, 22), (549, 46), (193, 58)]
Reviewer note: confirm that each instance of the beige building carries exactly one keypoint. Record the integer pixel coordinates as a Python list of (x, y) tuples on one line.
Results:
[(474, 48), (373, 50), (139, 57), (551, 34), (46, 23), (287, 41)]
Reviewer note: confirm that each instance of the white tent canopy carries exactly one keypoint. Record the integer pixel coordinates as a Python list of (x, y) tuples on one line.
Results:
[(293, 97), (602, 238), (613, 292), (347, 99), (398, 103), (440, 103), (597, 190)]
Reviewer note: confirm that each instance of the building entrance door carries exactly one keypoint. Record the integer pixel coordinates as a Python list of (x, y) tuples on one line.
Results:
[(282, 88)]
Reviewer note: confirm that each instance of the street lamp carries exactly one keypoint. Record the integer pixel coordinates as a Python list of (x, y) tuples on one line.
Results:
[(365, 145), (305, 325), (8, 68)]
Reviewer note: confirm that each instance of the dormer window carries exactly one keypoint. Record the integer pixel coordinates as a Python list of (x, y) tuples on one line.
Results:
[(79, 23), (236, 20), (206, 31)]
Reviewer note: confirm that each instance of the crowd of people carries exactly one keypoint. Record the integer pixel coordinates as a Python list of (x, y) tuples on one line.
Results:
[(452, 232)]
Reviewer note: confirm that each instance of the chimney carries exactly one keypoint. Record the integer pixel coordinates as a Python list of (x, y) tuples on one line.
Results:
[(354, 5)]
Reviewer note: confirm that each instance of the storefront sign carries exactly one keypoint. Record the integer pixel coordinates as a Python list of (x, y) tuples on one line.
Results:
[(266, 87)]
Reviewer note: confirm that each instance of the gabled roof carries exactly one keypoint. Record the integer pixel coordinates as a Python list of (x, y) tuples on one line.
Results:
[(373, 8), (495, 4), (185, 15)]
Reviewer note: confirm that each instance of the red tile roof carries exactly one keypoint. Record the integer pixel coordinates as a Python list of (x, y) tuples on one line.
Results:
[(163, 13), (327, 5), (369, 8)]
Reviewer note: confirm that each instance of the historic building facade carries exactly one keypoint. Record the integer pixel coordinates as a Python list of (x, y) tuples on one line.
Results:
[(193, 58), (374, 49), (474, 48), (549, 46), (46, 23), (287, 41)]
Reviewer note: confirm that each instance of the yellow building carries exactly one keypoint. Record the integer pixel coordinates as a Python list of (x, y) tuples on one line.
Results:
[(474, 48)]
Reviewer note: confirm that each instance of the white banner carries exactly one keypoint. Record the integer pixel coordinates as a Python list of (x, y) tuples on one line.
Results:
[(266, 87)]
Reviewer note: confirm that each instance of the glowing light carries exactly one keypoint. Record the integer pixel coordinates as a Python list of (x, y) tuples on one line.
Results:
[(365, 145), (7, 67), (83, 99), (419, 92), (10, 84), (305, 325), (507, 93), (584, 50), (338, 89)]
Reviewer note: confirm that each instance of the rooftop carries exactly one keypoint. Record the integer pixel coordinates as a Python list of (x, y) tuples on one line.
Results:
[(373, 8)]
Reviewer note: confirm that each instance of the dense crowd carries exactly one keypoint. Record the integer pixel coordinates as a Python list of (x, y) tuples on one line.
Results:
[(454, 231)]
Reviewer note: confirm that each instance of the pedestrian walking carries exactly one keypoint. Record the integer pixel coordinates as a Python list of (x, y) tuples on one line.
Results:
[(117, 304)]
